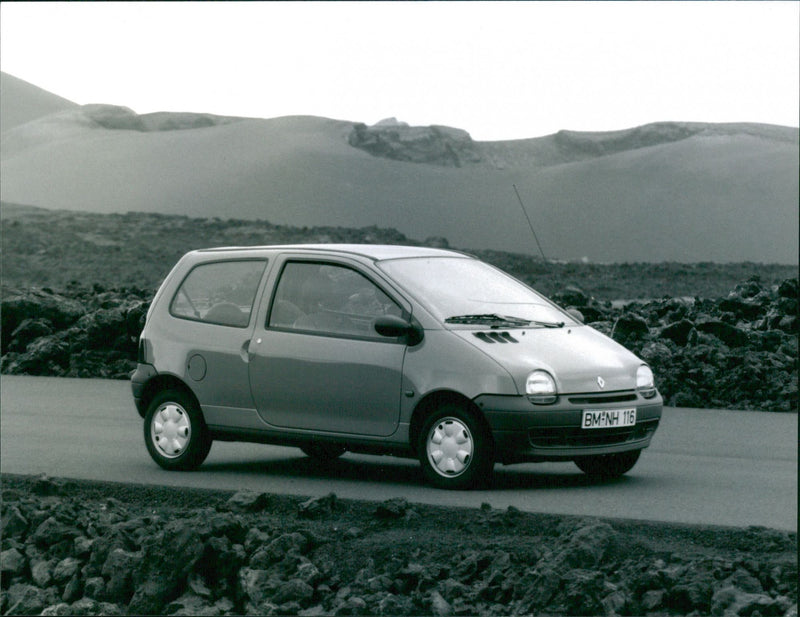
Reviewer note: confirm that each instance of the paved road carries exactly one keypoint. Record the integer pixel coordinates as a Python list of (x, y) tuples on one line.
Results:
[(719, 467)]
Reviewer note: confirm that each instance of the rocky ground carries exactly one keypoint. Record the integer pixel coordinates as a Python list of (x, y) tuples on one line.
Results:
[(79, 548), (738, 351), (735, 352), (717, 335), (79, 332), (63, 248)]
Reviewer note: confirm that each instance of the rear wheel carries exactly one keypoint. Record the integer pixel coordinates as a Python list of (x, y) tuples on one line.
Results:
[(175, 433), (607, 466), (454, 448)]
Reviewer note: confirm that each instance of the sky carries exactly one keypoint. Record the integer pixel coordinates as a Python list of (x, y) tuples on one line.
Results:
[(499, 70)]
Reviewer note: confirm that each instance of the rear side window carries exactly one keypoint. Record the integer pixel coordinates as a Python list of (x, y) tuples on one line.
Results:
[(219, 293)]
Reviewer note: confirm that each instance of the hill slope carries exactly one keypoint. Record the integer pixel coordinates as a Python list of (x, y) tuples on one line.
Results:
[(21, 102), (60, 248), (669, 191)]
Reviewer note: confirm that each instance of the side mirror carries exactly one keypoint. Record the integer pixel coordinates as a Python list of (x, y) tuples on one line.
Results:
[(391, 326)]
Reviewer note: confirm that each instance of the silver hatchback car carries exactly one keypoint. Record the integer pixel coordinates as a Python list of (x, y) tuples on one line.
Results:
[(409, 351)]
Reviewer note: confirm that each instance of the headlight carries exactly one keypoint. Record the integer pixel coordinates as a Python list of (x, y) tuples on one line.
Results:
[(541, 388), (645, 381)]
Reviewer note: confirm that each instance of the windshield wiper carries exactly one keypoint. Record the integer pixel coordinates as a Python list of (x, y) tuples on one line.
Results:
[(488, 318), (549, 324), (496, 321)]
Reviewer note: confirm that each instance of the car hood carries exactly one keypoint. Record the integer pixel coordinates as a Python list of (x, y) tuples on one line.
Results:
[(578, 357)]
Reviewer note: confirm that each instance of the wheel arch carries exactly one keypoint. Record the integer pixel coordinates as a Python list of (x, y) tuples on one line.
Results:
[(163, 382), (432, 401)]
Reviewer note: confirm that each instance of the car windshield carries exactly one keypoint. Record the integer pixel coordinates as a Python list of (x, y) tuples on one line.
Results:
[(460, 290)]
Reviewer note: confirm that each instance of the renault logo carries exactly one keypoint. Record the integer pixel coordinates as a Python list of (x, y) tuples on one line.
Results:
[(601, 382)]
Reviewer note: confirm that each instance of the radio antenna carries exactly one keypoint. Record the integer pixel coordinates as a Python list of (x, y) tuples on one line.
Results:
[(529, 222)]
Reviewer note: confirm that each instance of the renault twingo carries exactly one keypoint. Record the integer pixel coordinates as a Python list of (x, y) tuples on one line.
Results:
[(409, 351)]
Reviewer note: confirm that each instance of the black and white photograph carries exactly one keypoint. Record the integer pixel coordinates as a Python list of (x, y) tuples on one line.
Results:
[(431, 308)]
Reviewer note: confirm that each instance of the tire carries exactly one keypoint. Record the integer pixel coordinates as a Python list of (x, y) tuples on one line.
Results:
[(175, 433), (608, 466), (455, 450), (323, 452)]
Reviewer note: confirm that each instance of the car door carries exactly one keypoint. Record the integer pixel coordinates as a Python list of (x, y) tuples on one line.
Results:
[(316, 363), (208, 332)]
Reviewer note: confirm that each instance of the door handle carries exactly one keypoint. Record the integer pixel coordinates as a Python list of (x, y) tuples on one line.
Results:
[(244, 352)]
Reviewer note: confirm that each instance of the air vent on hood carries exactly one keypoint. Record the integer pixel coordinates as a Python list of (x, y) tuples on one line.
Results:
[(496, 337)]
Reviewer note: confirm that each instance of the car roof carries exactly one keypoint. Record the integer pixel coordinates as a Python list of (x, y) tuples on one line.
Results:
[(375, 252)]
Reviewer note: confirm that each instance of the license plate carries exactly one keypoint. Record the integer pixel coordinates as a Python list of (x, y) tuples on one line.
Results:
[(608, 418)]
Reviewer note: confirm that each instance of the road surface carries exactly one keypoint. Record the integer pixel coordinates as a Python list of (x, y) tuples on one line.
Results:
[(704, 466)]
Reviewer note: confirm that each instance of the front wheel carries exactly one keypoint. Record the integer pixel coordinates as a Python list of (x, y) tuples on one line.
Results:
[(174, 431), (454, 448), (608, 466)]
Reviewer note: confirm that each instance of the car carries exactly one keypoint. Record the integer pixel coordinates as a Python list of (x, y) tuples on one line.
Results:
[(401, 350)]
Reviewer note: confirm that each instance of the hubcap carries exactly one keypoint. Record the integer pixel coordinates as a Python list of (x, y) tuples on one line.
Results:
[(170, 430), (450, 447)]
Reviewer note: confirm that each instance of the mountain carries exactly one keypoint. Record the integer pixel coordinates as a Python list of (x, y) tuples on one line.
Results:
[(671, 191), (21, 102)]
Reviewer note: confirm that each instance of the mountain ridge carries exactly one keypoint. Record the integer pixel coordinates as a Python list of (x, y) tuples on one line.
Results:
[(22, 101), (667, 191)]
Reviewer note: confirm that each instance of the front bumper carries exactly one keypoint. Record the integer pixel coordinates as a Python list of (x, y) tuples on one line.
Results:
[(524, 432)]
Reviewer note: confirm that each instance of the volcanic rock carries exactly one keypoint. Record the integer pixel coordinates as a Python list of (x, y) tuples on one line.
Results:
[(317, 506), (677, 332), (44, 304), (42, 573), (544, 565), (728, 334), (392, 508), (630, 326), (738, 352), (12, 563), (439, 145), (25, 599), (248, 501)]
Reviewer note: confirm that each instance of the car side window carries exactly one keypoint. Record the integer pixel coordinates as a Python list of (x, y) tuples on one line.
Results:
[(219, 293), (329, 299)]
